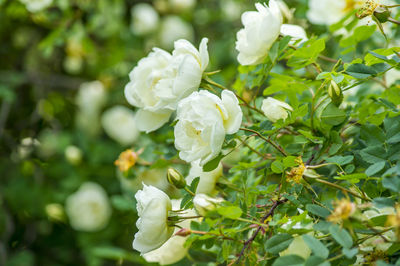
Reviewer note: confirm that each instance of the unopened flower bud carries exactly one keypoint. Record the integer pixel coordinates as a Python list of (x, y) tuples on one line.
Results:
[(382, 14), (183, 232), (335, 93), (205, 204), (175, 178)]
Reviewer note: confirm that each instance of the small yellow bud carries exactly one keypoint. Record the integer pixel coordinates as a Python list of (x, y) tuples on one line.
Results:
[(175, 178)]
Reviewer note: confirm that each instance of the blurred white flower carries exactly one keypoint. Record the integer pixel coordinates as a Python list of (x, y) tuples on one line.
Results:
[(285, 11), (91, 96), (204, 203), (297, 247), (173, 250), (182, 5), (274, 109), (88, 209), (152, 206), (328, 12), (160, 80), (90, 99), (261, 29), (294, 31), (119, 123), (145, 19), (203, 120), (26, 147), (231, 9), (392, 76), (36, 5), (207, 181), (174, 28), (73, 154)]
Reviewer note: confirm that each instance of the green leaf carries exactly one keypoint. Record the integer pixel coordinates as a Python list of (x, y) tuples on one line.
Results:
[(277, 243), (307, 54), (231, 212), (340, 160), (341, 236), (289, 260), (383, 202), (350, 253), (372, 134), (277, 167), (316, 261), (373, 154), (392, 183), (213, 164), (316, 246), (360, 34), (290, 161), (332, 115), (361, 71), (375, 168), (318, 210)]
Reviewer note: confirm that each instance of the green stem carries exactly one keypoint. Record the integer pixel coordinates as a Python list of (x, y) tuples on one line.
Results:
[(341, 188), (189, 191), (251, 221), (394, 21), (276, 146)]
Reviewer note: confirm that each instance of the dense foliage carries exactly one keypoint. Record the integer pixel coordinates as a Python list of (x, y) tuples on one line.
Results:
[(267, 139)]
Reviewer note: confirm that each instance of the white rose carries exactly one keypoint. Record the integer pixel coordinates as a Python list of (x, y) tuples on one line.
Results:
[(152, 206), (119, 123), (204, 203), (294, 31), (173, 250), (144, 19), (274, 109), (88, 209), (207, 181), (174, 28), (160, 80), (261, 29), (203, 121), (36, 5)]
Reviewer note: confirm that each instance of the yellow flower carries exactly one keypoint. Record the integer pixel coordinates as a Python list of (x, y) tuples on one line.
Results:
[(343, 210), (296, 174), (394, 220), (126, 160), (368, 8)]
